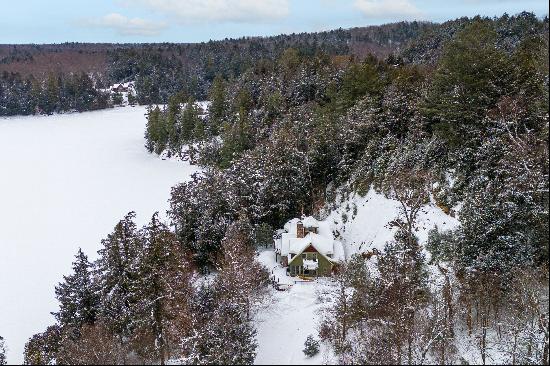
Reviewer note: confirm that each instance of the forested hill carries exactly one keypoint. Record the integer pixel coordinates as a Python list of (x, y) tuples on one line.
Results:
[(54, 78), (99, 57), (457, 116), (43, 76)]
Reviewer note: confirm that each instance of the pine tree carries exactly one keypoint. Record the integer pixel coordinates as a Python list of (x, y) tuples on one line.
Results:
[(116, 270), (471, 76), (311, 346), (42, 348), (117, 98), (132, 100), (163, 284), (156, 135), (172, 123), (3, 358), (219, 106), (77, 296), (189, 121), (404, 291), (231, 337), (52, 94)]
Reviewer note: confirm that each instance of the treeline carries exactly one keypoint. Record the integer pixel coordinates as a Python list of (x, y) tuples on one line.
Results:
[(141, 302), (510, 30), (163, 70), (57, 93)]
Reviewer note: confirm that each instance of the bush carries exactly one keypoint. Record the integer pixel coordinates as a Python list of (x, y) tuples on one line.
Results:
[(311, 346)]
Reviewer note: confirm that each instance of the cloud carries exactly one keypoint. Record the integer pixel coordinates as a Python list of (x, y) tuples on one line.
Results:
[(200, 11), (402, 9), (126, 26)]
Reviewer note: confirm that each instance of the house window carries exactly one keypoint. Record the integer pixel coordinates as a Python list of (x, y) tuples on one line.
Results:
[(304, 256)]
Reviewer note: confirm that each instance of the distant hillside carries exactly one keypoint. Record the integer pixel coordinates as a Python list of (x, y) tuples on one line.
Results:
[(31, 74), (96, 57)]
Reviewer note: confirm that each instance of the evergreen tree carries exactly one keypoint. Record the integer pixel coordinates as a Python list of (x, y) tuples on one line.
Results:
[(311, 346), (42, 348), (173, 123), (117, 98), (3, 360), (163, 285), (471, 76), (132, 100), (77, 296), (52, 94), (218, 107), (156, 134), (189, 121), (116, 270)]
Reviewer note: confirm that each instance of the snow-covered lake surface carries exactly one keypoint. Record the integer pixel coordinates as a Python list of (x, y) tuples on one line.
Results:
[(65, 181)]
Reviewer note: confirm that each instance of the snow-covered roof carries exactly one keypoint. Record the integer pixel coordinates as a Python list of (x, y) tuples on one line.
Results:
[(127, 85), (310, 222), (290, 226), (323, 244), (287, 242), (284, 243)]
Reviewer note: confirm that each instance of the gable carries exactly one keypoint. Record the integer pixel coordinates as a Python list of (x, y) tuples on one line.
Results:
[(310, 249)]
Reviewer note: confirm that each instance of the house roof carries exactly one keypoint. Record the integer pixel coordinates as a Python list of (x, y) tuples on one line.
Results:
[(310, 222), (322, 244), (290, 226), (286, 242)]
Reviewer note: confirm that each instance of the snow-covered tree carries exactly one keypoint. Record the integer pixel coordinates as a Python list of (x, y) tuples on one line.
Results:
[(311, 346), (77, 296), (3, 357), (116, 270), (162, 280)]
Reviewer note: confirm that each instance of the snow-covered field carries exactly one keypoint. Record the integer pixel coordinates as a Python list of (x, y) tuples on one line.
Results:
[(65, 181)]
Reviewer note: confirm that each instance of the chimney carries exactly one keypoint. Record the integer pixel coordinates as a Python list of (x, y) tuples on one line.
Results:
[(300, 231)]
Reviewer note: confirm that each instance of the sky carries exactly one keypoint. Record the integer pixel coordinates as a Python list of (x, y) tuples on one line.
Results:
[(123, 21)]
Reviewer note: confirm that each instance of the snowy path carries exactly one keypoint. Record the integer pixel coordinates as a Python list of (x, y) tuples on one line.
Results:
[(65, 182), (284, 326)]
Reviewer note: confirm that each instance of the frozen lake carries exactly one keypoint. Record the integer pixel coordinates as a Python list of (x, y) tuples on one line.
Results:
[(65, 181)]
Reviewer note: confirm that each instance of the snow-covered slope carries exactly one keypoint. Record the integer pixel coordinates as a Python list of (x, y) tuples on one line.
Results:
[(65, 182), (362, 222)]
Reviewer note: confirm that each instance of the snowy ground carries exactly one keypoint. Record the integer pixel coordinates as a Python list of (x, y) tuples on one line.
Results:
[(65, 182), (362, 222), (290, 317)]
